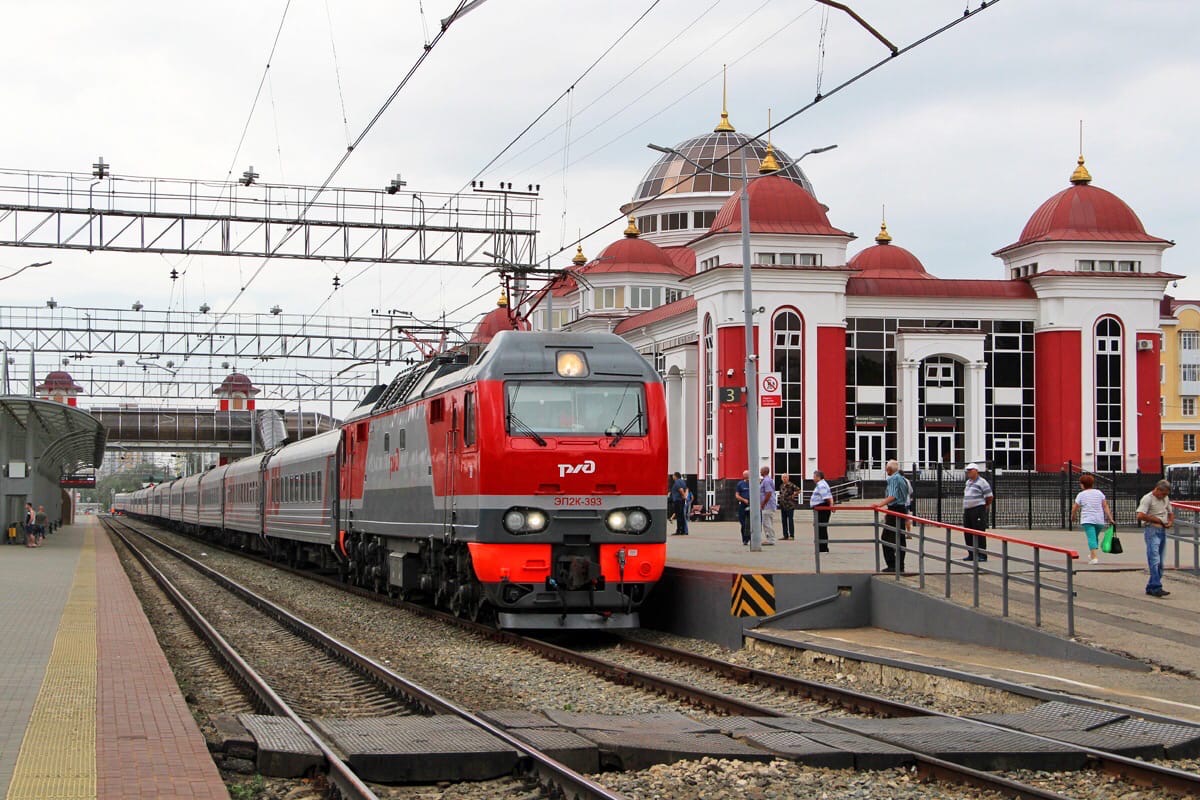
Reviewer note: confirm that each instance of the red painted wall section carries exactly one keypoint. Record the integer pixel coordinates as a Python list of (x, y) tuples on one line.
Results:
[(731, 418), (830, 416), (1057, 399), (1149, 423)]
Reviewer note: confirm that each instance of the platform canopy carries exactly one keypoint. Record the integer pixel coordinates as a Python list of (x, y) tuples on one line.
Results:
[(65, 438)]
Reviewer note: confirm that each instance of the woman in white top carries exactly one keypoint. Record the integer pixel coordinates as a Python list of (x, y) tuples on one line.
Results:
[(1095, 513)]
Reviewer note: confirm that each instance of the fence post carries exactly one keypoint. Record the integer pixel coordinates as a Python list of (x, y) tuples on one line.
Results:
[(1029, 498), (1004, 575), (921, 556), (949, 563), (939, 494), (1037, 586), (816, 544), (1070, 598)]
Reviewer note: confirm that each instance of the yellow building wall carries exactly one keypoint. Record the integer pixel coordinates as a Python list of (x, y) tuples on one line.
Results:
[(1175, 425)]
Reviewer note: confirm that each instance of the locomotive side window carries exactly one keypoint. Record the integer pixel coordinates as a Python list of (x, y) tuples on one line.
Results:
[(400, 439), (437, 410), (387, 443), (469, 419)]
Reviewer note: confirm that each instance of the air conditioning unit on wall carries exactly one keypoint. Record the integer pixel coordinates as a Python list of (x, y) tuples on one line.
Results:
[(1145, 344)]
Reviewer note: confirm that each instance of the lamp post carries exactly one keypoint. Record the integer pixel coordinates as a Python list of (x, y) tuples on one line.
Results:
[(752, 411)]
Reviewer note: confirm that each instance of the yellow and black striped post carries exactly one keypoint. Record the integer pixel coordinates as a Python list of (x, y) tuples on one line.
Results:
[(753, 595)]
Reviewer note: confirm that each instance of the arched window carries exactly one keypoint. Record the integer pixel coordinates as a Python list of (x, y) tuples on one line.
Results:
[(787, 338), (1109, 450), (710, 403)]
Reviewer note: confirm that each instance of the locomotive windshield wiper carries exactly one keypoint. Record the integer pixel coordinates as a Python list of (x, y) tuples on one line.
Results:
[(515, 424), (619, 435)]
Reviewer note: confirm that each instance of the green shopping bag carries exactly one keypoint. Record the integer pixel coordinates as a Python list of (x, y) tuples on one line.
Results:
[(1106, 539)]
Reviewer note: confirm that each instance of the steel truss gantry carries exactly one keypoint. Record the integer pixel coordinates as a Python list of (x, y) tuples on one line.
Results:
[(182, 335), (131, 214)]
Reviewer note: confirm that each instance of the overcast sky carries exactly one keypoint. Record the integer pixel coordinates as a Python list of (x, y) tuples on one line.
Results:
[(962, 138)]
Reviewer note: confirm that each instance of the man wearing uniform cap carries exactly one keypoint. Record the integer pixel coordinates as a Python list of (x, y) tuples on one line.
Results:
[(977, 496)]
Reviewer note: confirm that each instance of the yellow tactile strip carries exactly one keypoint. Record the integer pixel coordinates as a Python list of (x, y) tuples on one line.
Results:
[(58, 755)]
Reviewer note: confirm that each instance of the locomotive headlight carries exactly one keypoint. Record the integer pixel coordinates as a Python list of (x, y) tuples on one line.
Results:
[(571, 364), (514, 520), (638, 520), (616, 521), (535, 521)]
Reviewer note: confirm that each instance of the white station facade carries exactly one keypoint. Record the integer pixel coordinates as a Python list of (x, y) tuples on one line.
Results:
[(1053, 360)]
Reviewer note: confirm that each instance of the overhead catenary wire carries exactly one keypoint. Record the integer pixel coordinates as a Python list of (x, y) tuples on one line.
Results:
[(337, 72), (429, 48), (984, 5)]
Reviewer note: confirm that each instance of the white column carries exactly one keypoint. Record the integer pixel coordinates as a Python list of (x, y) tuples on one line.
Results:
[(675, 421), (907, 411), (975, 416), (691, 435)]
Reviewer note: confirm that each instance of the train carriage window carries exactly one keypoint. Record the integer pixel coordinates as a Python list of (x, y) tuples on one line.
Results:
[(387, 443), (469, 419), (400, 437)]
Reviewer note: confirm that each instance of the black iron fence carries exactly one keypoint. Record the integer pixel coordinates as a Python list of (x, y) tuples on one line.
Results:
[(1029, 500)]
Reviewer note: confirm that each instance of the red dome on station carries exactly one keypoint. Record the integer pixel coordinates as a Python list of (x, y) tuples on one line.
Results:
[(886, 260), (496, 320), (58, 381), (236, 382), (777, 205), (634, 254), (1083, 212)]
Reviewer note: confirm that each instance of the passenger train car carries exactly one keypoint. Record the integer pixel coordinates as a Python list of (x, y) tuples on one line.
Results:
[(522, 478)]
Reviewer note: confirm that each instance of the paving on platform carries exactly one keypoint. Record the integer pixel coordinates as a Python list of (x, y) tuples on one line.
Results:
[(89, 707), (1111, 608)]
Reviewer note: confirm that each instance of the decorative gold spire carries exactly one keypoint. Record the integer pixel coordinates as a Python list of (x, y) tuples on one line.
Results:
[(503, 301), (1081, 175), (724, 126), (769, 163), (631, 230), (883, 237), (580, 259)]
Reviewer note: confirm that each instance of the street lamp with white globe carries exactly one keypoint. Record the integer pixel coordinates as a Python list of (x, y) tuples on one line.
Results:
[(768, 166)]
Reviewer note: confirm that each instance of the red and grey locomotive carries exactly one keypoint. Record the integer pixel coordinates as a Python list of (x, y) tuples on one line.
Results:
[(523, 478)]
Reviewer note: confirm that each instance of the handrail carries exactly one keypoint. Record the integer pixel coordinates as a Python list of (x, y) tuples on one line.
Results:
[(1186, 506), (942, 550), (1177, 536), (1000, 537)]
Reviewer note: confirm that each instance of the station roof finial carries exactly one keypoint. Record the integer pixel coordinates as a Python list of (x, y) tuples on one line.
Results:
[(631, 230), (580, 259), (769, 163), (724, 126)]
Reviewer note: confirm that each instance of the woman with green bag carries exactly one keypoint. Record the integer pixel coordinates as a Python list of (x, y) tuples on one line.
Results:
[(1091, 506)]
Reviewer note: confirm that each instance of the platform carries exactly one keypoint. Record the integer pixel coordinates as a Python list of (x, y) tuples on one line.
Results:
[(89, 707), (1113, 614)]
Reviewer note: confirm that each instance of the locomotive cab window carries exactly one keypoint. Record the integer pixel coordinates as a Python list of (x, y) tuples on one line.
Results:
[(598, 409), (469, 419)]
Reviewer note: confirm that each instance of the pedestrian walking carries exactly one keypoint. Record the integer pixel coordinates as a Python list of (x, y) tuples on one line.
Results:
[(789, 501), (1091, 508), (39, 521), (1155, 512), (30, 523), (821, 502), (893, 538), (768, 505), (742, 495), (977, 496), (679, 490)]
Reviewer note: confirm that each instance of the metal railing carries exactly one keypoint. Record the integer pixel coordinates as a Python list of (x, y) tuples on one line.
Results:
[(932, 546), (1186, 531)]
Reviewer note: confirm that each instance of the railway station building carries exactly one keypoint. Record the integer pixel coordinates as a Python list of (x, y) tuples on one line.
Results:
[(1053, 359)]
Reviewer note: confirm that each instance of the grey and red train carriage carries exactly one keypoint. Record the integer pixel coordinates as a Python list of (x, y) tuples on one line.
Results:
[(522, 478)]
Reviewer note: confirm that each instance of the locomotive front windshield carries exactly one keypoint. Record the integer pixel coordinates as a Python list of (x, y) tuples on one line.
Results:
[(597, 409)]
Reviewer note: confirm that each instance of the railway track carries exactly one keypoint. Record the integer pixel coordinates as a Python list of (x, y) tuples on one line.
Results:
[(322, 647), (847, 700)]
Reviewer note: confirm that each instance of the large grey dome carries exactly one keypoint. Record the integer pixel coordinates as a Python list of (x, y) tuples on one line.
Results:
[(674, 175)]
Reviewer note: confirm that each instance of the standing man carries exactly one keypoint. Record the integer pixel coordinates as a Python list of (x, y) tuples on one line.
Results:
[(40, 520), (679, 501), (1155, 512), (789, 500), (29, 521), (768, 505), (894, 540), (821, 501), (977, 496), (742, 494)]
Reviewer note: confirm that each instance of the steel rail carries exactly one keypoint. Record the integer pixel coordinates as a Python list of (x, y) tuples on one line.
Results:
[(338, 771), (1140, 772), (549, 771), (1133, 770)]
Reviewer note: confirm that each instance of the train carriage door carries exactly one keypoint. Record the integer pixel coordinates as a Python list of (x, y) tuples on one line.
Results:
[(450, 506)]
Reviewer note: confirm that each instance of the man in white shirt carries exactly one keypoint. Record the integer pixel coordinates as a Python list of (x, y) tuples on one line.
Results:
[(821, 501)]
